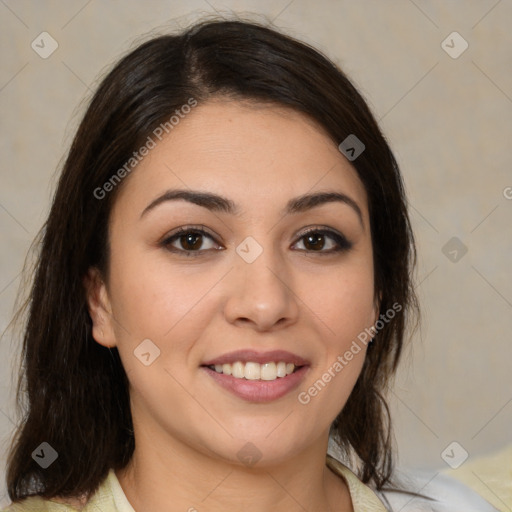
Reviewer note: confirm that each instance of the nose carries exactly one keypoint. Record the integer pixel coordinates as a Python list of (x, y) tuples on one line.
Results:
[(261, 294)]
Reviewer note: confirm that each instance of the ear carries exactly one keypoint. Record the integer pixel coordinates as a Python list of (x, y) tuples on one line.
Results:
[(376, 307), (98, 303)]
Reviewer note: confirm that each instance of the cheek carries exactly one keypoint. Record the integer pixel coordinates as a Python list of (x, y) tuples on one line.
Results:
[(152, 298), (344, 307), (172, 306), (344, 302)]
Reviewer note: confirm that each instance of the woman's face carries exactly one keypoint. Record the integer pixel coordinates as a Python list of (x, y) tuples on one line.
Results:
[(253, 282)]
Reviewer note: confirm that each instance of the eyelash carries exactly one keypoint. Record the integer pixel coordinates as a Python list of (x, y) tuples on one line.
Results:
[(343, 244)]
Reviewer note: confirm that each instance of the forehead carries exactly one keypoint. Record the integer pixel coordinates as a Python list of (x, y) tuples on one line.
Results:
[(252, 153)]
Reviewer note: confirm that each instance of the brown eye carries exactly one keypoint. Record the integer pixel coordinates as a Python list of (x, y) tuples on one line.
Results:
[(189, 242), (315, 240)]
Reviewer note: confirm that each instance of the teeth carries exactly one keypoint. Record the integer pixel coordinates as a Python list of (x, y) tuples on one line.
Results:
[(255, 371), (281, 369), (252, 371), (268, 371)]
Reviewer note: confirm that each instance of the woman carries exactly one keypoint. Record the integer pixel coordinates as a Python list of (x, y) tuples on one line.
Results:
[(224, 283)]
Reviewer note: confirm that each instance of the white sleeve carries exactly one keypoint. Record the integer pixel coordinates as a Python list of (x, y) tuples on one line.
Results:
[(441, 493)]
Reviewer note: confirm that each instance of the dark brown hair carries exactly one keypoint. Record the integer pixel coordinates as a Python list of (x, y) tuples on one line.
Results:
[(76, 390)]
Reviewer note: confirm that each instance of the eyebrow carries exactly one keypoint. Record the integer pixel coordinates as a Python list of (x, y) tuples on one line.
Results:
[(217, 203)]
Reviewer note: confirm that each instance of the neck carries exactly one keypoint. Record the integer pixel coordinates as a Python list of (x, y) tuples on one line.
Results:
[(181, 478)]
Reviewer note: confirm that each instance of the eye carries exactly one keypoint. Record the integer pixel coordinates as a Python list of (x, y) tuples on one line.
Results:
[(316, 239), (189, 240)]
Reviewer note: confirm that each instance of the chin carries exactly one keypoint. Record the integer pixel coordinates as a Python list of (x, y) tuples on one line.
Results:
[(261, 448)]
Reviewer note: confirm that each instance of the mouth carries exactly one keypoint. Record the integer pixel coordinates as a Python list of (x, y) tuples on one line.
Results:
[(257, 377), (255, 371)]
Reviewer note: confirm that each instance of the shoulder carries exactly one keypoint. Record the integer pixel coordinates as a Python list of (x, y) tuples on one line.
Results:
[(423, 491), (38, 504), (489, 475), (414, 491)]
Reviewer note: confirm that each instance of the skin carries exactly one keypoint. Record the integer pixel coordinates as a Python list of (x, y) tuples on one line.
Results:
[(188, 429)]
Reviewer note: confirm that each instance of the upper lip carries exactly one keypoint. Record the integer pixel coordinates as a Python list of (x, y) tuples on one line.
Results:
[(246, 356)]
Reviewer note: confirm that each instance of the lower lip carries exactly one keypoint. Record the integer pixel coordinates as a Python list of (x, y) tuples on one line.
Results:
[(259, 390)]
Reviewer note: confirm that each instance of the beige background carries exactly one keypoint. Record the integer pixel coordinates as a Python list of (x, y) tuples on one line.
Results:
[(448, 121)]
